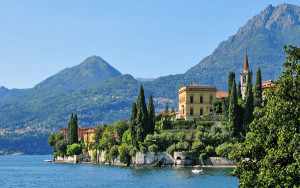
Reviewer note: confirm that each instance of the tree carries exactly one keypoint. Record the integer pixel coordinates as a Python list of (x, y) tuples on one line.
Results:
[(239, 91), (167, 108), (124, 154), (73, 129), (272, 145), (151, 115), (173, 110), (141, 117), (248, 113), (216, 105), (231, 77), (132, 125), (120, 127), (53, 138), (233, 128), (258, 89)]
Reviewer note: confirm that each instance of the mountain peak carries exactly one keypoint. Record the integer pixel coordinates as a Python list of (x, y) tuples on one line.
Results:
[(88, 73)]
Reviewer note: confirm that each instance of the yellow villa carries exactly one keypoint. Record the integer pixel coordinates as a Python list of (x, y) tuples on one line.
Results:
[(195, 100)]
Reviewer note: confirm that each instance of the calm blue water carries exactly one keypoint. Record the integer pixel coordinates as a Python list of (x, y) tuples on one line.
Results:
[(32, 171)]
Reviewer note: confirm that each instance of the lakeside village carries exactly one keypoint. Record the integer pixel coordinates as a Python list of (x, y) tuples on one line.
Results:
[(206, 128)]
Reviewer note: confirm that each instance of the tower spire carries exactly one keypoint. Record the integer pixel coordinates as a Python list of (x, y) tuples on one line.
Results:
[(246, 66)]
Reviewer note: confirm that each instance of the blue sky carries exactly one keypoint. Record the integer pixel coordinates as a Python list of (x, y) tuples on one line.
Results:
[(143, 38)]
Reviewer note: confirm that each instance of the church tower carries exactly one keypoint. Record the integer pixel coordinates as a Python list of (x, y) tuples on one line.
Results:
[(244, 78)]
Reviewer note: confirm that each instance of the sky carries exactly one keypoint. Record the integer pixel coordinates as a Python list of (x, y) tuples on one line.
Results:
[(144, 38)]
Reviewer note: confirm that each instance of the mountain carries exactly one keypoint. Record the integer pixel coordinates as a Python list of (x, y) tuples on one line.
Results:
[(90, 72), (7, 93), (144, 79), (98, 93), (263, 37)]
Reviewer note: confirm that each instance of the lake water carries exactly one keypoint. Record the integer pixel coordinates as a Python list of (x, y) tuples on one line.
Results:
[(32, 171)]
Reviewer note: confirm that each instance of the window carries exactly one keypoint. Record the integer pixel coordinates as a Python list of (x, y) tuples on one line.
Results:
[(201, 99), (210, 98), (201, 111), (191, 99), (191, 111), (244, 79)]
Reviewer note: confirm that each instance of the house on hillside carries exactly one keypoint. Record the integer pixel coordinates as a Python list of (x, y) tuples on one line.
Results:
[(195, 100), (81, 132)]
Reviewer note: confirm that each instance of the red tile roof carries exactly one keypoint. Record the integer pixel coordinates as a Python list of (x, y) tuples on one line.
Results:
[(221, 94)]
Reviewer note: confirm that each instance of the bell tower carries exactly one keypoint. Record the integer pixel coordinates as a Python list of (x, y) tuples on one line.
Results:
[(244, 78)]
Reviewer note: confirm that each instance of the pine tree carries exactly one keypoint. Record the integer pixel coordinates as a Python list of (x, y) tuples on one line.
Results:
[(233, 127), (167, 108), (248, 113), (141, 117), (132, 125), (258, 89), (151, 114), (239, 91)]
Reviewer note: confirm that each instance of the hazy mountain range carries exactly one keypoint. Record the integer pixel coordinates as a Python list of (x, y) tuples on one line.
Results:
[(99, 93)]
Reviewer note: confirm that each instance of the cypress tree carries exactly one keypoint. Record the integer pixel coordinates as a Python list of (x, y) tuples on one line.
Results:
[(231, 77), (233, 127), (167, 108), (225, 102), (132, 125), (173, 111), (249, 107), (151, 114), (73, 129), (239, 91), (141, 117), (70, 128), (258, 89)]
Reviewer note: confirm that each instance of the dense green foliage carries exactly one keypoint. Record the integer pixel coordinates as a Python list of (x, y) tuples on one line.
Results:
[(239, 91), (270, 155), (53, 138), (232, 125), (151, 115), (74, 149), (258, 89), (82, 89), (142, 119), (249, 107), (73, 129)]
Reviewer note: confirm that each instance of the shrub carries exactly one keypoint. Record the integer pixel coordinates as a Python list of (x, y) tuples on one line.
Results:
[(202, 157), (124, 154), (143, 149), (153, 149), (198, 147), (224, 149), (182, 146), (126, 138), (180, 136), (113, 152), (214, 129), (133, 152), (210, 151), (205, 123), (61, 147), (199, 135), (74, 149), (171, 149)]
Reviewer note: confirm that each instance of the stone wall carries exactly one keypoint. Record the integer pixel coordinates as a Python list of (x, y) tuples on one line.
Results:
[(161, 159), (219, 161)]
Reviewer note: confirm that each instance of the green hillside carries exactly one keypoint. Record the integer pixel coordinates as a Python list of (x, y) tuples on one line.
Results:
[(98, 93), (90, 72)]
